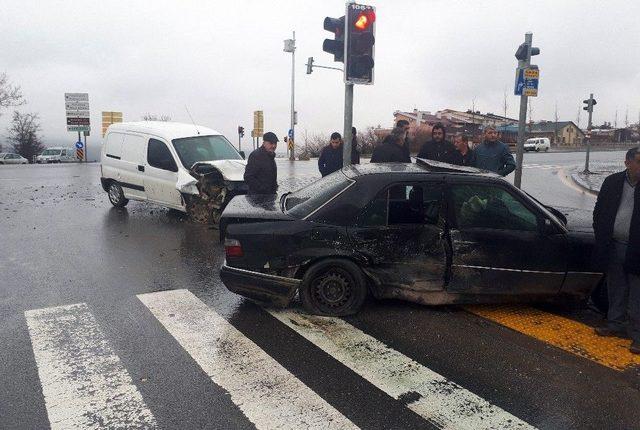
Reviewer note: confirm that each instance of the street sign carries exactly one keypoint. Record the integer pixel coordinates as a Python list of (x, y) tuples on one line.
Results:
[(79, 154), (527, 81), (290, 133), (519, 86), (258, 123), (79, 145), (77, 111)]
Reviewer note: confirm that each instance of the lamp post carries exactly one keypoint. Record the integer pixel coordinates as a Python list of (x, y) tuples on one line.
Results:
[(290, 46)]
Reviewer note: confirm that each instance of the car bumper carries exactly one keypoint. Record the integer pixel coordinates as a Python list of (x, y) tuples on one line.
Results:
[(263, 287)]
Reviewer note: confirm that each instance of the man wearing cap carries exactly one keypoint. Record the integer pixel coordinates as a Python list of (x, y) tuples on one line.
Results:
[(261, 173)]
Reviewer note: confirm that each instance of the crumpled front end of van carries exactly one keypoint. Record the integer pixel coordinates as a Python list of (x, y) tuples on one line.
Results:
[(209, 186)]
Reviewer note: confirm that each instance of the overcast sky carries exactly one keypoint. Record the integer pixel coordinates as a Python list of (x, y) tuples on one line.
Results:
[(225, 59)]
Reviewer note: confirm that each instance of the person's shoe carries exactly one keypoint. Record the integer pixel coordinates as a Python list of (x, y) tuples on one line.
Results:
[(635, 347), (610, 332)]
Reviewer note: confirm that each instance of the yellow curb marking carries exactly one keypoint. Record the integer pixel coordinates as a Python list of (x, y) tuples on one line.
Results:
[(564, 333)]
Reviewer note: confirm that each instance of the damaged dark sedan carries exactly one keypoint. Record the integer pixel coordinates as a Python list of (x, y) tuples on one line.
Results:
[(425, 232)]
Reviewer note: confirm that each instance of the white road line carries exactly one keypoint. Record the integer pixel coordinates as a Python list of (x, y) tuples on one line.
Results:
[(85, 385), (269, 395), (442, 402)]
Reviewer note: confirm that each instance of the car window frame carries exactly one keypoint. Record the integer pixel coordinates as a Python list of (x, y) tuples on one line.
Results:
[(166, 146), (452, 220)]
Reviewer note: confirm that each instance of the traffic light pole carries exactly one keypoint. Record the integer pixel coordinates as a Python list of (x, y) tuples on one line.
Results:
[(522, 119), (292, 156), (348, 123), (586, 161)]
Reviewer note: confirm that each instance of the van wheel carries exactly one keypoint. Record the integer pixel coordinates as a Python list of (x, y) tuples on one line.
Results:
[(537, 149), (116, 195), (333, 287)]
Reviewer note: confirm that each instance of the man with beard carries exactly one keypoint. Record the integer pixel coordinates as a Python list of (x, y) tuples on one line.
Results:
[(331, 155), (438, 149)]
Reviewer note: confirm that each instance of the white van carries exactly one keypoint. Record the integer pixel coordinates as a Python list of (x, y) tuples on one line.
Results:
[(186, 167), (537, 144), (57, 155)]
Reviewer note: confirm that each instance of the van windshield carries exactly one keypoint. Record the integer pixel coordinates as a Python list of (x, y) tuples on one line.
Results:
[(51, 152), (204, 148)]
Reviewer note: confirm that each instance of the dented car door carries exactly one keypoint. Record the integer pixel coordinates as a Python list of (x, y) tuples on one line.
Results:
[(401, 232)]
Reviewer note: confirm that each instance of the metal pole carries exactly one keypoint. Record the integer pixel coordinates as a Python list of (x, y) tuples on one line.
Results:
[(348, 123), (86, 156), (293, 97), (79, 139), (586, 161), (239, 143), (517, 181)]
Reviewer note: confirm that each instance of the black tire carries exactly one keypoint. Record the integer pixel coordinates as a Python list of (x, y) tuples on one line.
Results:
[(333, 287), (116, 195), (537, 149)]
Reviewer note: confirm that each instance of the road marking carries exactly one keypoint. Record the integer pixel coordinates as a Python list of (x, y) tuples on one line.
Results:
[(268, 394), (564, 333), (443, 403), (85, 385)]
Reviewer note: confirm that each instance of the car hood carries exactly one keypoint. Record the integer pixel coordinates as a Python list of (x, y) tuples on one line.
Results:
[(579, 220), (232, 170)]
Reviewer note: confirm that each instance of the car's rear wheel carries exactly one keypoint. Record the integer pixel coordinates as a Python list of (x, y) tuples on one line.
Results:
[(116, 195), (333, 287)]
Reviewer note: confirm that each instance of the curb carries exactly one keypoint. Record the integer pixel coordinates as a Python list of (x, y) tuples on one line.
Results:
[(577, 181), (570, 181)]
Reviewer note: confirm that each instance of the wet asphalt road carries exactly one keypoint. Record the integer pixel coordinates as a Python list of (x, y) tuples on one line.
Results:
[(63, 243)]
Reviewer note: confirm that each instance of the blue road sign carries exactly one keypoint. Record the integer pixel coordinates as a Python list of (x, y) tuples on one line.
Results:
[(79, 145), (527, 81), (519, 82), (290, 133)]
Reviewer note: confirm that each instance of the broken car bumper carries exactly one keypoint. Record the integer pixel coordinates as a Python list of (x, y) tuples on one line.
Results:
[(263, 287)]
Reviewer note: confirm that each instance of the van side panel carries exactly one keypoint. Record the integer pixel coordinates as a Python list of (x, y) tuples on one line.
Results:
[(122, 165)]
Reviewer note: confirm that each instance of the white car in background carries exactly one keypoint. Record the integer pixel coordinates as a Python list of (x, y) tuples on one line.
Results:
[(10, 158), (57, 155), (537, 144), (187, 167)]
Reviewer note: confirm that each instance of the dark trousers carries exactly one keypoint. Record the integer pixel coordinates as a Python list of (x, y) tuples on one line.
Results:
[(624, 295)]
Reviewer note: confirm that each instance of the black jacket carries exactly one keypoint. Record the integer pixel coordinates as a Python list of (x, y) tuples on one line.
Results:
[(261, 173), (390, 153), (440, 151), (468, 159), (604, 216), (330, 160), (355, 154)]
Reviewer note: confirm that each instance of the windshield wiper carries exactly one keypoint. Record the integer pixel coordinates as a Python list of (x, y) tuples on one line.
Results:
[(283, 201)]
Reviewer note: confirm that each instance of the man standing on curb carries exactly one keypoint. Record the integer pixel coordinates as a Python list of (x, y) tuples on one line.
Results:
[(330, 159), (494, 155), (616, 223), (261, 173)]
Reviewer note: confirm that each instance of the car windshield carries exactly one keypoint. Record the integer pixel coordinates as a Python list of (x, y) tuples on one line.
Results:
[(204, 148), (303, 202), (51, 152)]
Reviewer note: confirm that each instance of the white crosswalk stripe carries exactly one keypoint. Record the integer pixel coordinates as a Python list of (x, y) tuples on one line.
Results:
[(85, 385), (543, 166), (269, 395), (440, 401)]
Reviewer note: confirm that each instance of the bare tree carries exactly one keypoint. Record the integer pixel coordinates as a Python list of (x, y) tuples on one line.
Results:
[(154, 117), (10, 95), (505, 106), (23, 134), (555, 117)]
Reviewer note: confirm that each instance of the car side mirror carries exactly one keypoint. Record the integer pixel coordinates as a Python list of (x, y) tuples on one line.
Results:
[(242, 155), (548, 228)]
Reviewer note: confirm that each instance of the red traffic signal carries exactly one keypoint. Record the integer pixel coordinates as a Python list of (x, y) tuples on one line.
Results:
[(364, 20), (360, 43)]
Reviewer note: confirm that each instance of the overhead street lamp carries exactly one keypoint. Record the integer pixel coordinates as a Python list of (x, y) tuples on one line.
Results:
[(290, 46)]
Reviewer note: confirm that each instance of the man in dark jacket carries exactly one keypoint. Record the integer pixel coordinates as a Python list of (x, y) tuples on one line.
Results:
[(355, 154), (467, 155), (261, 173), (438, 149), (331, 155), (403, 125), (494, 155), (616, 224), (391, 150)]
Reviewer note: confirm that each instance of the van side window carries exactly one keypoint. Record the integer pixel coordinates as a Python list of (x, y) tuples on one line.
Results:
[(159, 156)]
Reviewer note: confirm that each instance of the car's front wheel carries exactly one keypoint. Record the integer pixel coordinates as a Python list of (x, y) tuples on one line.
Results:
[(116, 195), (333, 287)]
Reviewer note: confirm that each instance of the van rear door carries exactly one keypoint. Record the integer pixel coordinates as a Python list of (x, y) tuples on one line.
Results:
[(161, 175)]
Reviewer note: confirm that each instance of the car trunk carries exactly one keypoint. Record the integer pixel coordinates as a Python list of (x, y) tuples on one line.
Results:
[(252, 209)]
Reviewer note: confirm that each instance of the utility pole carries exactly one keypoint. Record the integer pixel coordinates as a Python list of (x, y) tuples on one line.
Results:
[(505, 105), (348, 123), (590, 102), (555, 117), (290, 46), (524, 61)]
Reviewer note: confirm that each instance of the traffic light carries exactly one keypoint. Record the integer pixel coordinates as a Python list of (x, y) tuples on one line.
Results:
[(521, 53), (241, 131), (590, 103), (310, 65), (360, 40), (335, 46)]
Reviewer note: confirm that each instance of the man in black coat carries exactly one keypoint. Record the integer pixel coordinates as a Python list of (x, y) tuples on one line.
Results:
[(355, 154), (261, 173), (391, 150), (403, 125), (331, 155), (438, 149), (616, 224)]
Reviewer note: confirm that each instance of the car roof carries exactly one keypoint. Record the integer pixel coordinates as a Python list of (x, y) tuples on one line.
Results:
[(165, 129), (421, 166)]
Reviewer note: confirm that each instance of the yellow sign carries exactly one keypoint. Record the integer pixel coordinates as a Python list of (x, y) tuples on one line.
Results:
[(290, 144), (258, 123), (532, 73), (531, 92), (109, 118)]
